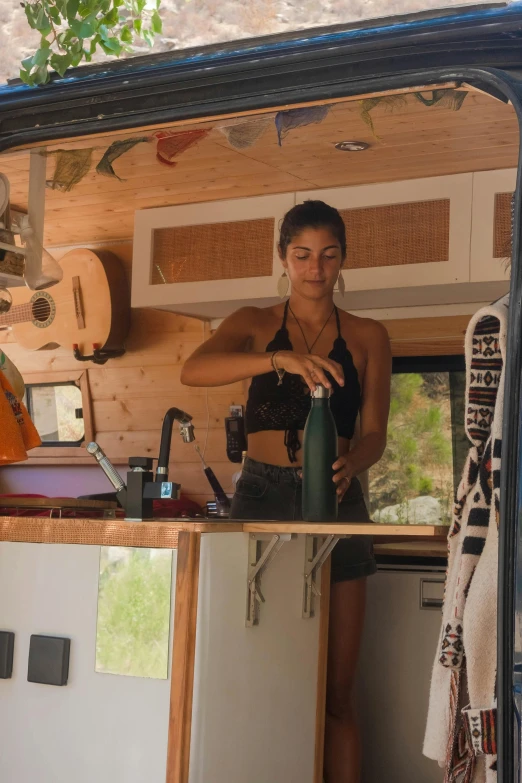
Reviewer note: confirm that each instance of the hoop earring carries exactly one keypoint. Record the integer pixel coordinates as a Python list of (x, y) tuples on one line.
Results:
[(340, 283), (282, 285)]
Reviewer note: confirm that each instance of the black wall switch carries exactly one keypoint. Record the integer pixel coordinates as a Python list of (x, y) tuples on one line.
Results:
[(6, 654), (48, 660)]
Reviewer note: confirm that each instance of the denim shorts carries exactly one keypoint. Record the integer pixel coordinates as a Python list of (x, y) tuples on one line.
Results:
[(274, 493)]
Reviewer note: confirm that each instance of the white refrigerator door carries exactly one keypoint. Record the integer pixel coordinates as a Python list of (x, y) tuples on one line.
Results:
[(396, 659)]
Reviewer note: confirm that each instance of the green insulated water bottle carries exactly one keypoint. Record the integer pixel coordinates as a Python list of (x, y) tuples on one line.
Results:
[(319, 454)]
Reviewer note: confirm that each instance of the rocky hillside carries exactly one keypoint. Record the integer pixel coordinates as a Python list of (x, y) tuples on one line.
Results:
[(198, 22)]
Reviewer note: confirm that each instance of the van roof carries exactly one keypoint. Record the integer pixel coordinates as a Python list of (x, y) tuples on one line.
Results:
[(248, 74)]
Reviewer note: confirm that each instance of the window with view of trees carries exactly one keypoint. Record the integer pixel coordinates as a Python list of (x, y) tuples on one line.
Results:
[(416, 479), (133, 628)]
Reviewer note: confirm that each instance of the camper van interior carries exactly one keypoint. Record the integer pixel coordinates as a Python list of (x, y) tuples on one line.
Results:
[(161, 231)]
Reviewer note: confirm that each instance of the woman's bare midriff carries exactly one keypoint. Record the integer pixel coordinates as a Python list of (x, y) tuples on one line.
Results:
[(269, 446)]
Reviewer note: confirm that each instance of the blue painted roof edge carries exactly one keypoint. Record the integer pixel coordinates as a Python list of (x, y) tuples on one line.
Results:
[(290, 42)]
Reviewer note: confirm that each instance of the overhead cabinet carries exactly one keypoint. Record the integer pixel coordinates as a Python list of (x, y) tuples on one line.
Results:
[(208, 259), (409, 233), (491, 228), (424, 241)]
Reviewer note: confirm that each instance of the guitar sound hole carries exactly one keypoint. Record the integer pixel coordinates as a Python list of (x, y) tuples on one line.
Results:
[(41, 310)]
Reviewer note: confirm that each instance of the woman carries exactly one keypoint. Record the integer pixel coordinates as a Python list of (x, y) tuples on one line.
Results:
[(286, 350)]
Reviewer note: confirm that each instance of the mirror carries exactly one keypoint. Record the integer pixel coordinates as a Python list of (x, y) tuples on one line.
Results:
[(56, 411)]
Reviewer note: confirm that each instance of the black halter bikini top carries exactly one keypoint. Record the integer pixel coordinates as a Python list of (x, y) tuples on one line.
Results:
[(286, 407)]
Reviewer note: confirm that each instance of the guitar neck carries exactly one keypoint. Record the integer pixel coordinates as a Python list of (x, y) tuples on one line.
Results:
[(18, 314)]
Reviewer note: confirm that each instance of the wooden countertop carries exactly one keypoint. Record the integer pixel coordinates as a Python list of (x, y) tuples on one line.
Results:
[(347, 529), (163, 533)]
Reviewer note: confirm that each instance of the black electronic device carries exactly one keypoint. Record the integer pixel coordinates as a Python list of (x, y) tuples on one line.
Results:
[(236, 438)]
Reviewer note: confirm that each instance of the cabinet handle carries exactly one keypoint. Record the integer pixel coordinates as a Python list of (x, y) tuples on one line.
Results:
[(431, 593)]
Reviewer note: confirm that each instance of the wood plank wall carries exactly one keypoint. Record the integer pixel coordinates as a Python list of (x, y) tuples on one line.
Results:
[(130, 395)]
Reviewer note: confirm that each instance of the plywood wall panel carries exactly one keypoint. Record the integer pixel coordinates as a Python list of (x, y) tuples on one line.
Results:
[(145, 443), (107, 383), (129, 413)]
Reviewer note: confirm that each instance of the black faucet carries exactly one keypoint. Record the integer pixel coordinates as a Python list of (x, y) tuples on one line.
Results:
[(142, 488), (186, 429)]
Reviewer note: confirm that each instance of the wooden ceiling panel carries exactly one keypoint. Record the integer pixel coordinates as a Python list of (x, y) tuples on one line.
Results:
[(409, 141)]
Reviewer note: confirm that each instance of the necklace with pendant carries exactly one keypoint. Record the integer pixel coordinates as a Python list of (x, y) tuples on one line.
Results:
[(310, 347)]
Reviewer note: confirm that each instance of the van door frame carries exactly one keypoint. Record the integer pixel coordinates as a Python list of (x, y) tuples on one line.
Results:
[(497, 82)]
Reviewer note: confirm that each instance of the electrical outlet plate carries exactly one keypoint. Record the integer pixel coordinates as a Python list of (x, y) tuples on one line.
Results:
[(236, 410), (6, 654), (48, 659)]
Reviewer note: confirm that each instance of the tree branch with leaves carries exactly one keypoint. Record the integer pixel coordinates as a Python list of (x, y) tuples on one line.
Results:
[(73, 31)]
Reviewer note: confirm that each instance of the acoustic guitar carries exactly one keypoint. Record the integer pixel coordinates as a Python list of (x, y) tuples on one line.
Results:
[(88, 310)]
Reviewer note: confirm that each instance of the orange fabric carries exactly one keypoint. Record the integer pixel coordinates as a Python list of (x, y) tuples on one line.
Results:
[(172, 143), (17, 432)]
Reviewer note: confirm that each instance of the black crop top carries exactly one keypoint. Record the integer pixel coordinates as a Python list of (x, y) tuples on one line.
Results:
[(286, 407)]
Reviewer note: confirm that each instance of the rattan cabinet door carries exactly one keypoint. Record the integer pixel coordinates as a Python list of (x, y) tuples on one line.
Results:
[(491, 227)]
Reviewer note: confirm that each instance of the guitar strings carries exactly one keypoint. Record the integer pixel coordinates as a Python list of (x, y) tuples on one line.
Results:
[(41, 307)]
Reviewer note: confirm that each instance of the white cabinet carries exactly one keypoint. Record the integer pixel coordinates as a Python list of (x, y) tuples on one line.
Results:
[(255, 689), (491, 224), (208, 259), (403, 234), (439, 240)]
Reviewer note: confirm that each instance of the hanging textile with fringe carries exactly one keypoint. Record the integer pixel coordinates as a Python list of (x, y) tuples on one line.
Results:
[(450, 99), (390, 102), (71, 166), (285, 121), (115, 151), (173, 143), (241, 135)]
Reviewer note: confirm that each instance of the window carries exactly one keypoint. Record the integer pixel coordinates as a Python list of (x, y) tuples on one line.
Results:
[(416, 480), (133, 629), (56, 411)]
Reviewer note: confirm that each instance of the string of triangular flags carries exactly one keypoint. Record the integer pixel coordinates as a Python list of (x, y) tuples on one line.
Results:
[(241, 133)]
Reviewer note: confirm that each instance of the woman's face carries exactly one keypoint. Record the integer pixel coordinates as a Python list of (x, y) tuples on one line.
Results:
[(312, 261)]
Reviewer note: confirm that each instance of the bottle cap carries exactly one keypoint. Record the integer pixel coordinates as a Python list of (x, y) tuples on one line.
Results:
[(321, 392)]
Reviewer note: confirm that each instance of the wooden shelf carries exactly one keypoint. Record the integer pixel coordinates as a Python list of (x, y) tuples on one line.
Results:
[(421, 548), (348, 529)]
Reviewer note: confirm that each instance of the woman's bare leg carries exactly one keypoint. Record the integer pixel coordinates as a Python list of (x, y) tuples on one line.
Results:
[(342, 752)]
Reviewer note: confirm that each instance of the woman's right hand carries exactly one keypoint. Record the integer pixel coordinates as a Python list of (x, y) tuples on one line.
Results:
[(310, 367)]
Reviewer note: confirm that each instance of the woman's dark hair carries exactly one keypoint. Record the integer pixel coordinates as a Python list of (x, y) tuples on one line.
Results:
[(311, 214)]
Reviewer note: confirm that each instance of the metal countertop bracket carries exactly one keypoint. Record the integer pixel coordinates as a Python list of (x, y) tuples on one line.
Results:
[(317, 550), (259, 558)]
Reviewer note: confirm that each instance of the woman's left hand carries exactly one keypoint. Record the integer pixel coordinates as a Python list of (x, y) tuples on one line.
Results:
[(343, 475)]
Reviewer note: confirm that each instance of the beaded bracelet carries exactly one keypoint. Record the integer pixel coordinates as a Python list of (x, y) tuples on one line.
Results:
[(280, 372)]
